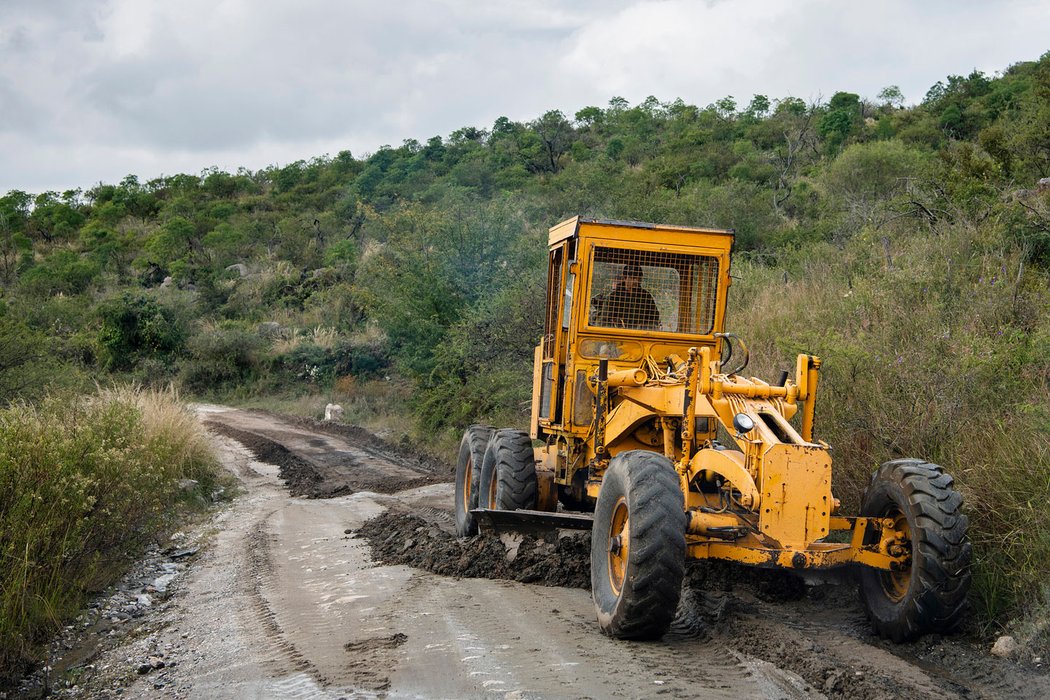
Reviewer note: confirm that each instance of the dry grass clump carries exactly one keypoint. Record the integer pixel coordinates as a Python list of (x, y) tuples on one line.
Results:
[(319, 336), (84, 483), (934, 346)]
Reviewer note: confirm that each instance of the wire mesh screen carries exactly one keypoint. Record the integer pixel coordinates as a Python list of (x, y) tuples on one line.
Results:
[(655, 291)]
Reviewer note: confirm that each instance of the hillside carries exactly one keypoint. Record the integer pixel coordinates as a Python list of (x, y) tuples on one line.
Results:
[(908, 246)]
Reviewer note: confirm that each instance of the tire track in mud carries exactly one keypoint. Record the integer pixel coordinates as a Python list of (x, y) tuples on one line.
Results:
[(364, 664), (690, 662), (284, 657)]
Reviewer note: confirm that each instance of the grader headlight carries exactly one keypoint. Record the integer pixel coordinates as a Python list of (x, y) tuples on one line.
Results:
[(743, 424)]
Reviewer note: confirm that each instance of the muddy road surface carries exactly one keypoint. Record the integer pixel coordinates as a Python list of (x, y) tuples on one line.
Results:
[(336, 574)]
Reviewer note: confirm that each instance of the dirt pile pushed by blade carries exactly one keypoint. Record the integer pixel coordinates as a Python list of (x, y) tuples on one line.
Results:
[(402, 538), (769, 585)]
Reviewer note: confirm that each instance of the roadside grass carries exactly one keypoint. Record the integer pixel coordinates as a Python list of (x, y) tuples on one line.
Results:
[(85, 483), (935, 345)]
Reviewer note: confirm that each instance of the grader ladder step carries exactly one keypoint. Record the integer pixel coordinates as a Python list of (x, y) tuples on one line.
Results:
[(530, 520)]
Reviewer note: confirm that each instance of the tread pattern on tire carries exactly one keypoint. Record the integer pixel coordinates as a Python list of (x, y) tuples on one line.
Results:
[(941, 552), (511, 461), (472, 447), (652, 583)]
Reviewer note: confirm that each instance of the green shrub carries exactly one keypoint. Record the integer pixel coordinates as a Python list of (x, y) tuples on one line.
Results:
[(134, 326), (318, 365), (63, 272), (24, 368), (220, 359), (484, 368)]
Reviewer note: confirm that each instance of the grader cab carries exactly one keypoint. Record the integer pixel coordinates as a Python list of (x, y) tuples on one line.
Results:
[(644, 430)]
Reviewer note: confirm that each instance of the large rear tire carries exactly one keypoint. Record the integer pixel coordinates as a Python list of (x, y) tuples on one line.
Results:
[(468, 475), (930, 595), (638, 546), (508, 472)]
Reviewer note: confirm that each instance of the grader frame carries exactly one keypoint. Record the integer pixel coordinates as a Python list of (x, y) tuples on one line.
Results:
[(639, 419)]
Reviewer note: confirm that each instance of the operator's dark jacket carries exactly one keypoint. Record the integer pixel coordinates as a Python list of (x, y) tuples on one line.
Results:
[(625, 308)]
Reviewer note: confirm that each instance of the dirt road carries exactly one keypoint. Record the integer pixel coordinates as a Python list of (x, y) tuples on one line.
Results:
[(286, 599)]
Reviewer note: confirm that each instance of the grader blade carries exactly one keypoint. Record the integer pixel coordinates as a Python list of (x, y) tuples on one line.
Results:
[(529, 521)]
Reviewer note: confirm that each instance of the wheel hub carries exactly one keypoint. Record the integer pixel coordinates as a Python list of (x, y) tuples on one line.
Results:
[(619, 544), (467, 477), (895, 583)]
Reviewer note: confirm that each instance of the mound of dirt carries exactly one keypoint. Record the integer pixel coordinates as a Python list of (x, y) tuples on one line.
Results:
[(403, 452), (320, 472), (769, 585), (402, 538), (301, 477)]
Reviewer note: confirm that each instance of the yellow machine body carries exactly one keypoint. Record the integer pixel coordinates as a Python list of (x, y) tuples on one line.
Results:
[(608, 379)]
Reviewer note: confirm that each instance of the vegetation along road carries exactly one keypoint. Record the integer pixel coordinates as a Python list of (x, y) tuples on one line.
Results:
[(321, 580)]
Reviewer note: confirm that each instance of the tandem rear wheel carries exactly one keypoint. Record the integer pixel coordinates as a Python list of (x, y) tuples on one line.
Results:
[(468, 475), (508, 472)]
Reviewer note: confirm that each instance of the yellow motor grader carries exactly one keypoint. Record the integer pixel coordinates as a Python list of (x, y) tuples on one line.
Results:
[(642, 431)]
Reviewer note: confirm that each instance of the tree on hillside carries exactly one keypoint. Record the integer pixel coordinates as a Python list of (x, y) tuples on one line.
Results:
[(556, 133), (869, 182), (891, 96), (841, 120)]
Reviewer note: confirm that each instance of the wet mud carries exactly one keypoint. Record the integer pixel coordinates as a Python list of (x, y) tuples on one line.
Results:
[(403, 538)]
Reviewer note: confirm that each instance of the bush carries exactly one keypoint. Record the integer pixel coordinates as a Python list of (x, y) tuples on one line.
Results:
[(23, 366), (63, 272), (315, 364), (484, 370), (84, 484), (134, 326), (220, 359)]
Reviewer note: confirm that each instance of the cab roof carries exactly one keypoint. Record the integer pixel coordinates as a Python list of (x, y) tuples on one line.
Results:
[(570, 227)]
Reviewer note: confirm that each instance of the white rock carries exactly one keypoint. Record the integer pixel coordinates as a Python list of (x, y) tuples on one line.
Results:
[(333, 411), (1004, 647), (512, 541), (161, 582)]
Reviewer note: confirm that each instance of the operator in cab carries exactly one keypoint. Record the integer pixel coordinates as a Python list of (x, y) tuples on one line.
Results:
[(628, 304)]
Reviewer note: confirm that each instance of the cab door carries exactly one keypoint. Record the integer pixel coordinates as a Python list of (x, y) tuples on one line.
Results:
[(561, 286)]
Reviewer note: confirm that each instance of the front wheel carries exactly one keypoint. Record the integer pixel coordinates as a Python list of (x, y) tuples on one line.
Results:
[(638, 546), (929, 595)]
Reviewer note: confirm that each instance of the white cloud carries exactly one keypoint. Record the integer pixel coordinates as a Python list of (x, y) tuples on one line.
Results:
[(806, 48), (92, 91)]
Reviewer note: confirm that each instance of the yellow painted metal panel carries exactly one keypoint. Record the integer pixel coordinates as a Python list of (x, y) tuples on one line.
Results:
[(796, 494)]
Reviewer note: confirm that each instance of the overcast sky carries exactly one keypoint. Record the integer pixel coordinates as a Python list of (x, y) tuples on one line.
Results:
[(92, 90)]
